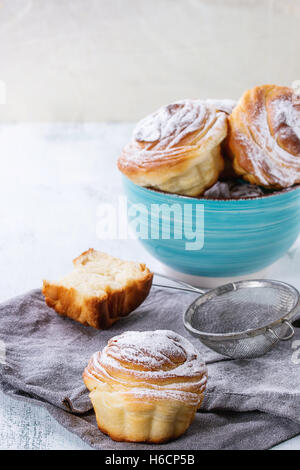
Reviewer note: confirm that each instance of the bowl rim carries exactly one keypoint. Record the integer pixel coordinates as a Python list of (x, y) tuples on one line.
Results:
[(278, 193)]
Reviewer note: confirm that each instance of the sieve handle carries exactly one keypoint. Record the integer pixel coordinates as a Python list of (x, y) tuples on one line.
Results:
[(283, 338), (187, 287)]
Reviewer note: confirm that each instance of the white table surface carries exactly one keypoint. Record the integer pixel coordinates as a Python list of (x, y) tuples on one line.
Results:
[(53, 178)]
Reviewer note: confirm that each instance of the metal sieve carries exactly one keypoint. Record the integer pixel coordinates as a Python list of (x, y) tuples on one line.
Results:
[(243, 319)]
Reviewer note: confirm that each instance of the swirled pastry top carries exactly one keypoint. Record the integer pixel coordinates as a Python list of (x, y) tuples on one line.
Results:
[(264, 136), (172, 139), (155, 364)]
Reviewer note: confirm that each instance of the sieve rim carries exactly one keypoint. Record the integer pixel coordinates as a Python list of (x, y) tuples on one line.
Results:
[(231, 286)]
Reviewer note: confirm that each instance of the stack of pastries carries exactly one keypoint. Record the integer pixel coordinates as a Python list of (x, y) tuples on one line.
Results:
[(189, 146)]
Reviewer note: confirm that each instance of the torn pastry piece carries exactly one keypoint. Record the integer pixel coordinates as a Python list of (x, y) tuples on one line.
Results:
[(100, 290), (146, 386), (177, 149), (264, 137)]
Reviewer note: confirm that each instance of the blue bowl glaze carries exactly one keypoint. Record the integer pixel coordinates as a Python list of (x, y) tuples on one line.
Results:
[(240, 236)]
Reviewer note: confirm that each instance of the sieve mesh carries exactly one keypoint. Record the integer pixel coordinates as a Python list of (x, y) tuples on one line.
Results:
[(242, 309)]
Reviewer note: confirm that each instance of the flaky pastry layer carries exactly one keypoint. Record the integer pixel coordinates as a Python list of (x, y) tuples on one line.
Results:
[(264, 136), (146, 386), (177, 149)]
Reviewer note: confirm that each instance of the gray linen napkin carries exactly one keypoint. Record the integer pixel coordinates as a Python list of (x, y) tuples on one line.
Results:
[(249, 404)]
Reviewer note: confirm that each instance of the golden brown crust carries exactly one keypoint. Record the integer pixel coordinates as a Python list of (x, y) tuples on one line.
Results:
[(177, 148), (264, 137), (118, 437), (103, 310), (146, 386), (81, 259)]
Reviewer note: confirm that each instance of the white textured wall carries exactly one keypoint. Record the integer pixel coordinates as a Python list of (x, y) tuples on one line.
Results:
[(119, 59)]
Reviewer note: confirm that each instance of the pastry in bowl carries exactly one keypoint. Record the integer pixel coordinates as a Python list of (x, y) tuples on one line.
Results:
[(177, 149), (146, 386), (100, 289), (264, 137)]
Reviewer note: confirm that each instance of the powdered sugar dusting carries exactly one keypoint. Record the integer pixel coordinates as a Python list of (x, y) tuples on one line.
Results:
[(151, 363), (286, 116), (272, 141), (154, 394), (168, 136), (225, 105), (162, 132), (171, 123), (149, 350)]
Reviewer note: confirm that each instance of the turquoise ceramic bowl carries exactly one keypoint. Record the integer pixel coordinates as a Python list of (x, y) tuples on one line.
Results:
[(239, 236)]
